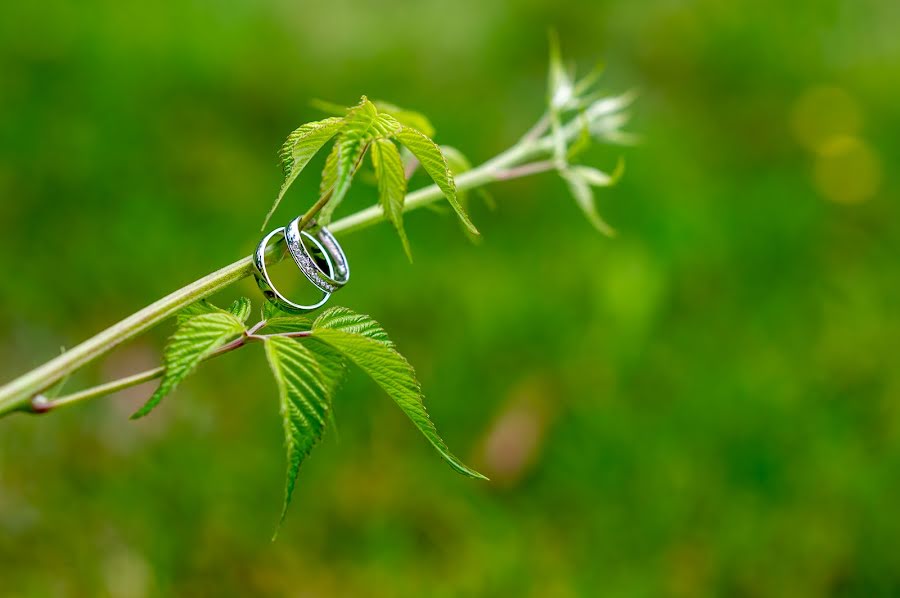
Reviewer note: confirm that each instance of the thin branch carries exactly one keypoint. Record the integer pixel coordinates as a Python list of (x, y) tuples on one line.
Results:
[(526, 169), (43, 404)]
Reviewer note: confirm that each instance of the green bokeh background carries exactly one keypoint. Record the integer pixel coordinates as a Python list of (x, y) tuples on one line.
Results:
[(708, 404)]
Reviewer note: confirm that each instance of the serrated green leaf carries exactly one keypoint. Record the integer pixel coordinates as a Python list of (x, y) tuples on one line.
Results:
[(391, 185), (388, 369), (346, 156), (456, 161), (347, 320), (332, 363), (299, 149), (584, 197), (350, 151), (240, 309), (459, 164), (304, 399), (435, 164), (333, 366), (410, 118), (329, 171), (362, 125), (195, 309), (195, 340), (286, 323)]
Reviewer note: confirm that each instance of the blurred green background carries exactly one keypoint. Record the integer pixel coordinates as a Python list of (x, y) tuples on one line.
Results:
[(708, 404)]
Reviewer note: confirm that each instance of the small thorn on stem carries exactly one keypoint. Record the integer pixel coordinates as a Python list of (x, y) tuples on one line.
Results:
[(41, 404)]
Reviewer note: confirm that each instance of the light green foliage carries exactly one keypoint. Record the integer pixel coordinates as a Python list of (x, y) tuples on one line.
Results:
[(195, 309), (329, 172), (194, 340), (581, 179), (374, 125), (304, 392), (363, 125), (299, 149), (459, 163), (341, 318), (409, 118), (391, 185), (599, 118), (435, 164), (584, 198), (364, 342), (286, 323), (240, 309)]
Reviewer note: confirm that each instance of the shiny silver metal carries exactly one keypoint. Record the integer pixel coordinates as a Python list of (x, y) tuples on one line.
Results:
[(297, 245), (265, 283)]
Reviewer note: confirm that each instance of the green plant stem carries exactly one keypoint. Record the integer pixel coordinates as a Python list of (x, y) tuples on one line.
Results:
[(97, 391), (17, 395), (40, 404)]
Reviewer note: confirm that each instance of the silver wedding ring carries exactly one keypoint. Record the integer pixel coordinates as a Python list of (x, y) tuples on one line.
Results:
[(265, 282), (299, 245)]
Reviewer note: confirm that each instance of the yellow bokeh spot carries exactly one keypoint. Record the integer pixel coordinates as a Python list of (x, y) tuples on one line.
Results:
[(847, 170), (823, 113)]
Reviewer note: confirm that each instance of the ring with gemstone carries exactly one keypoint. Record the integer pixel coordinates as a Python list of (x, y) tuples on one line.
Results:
[(265, 282), (297, 245)]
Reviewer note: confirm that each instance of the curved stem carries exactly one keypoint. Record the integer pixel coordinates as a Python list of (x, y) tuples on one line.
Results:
[(17, 395), (97, 391)]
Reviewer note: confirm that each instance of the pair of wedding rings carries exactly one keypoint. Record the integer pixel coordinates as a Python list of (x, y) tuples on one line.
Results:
[(311, 253)]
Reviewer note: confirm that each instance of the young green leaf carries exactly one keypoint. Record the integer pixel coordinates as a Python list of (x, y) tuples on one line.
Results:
[(410, 118), (329, 171), (390, 370), (299, 149), (362, 125), (286, 323), (347, 320), (584, 197), (598, 178), (582, 142), (435, 164), (240, 309), (195, 309), (459, 164), (195, 340), (391, 185), (347, 154), (332, 364), (560, 86), (304, 396)]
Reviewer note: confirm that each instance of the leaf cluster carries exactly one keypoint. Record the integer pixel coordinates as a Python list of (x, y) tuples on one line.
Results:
[(380, 130), (309, 360), (599, 117)]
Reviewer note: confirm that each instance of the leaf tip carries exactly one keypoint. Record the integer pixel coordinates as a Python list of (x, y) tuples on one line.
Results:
[(618, 171)]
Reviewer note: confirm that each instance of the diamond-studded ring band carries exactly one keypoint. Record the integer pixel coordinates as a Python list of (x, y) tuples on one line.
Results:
[(265, 283), (298, 244)]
